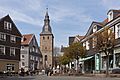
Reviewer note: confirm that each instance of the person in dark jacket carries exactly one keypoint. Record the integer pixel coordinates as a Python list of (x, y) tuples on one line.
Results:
[(47, 71)]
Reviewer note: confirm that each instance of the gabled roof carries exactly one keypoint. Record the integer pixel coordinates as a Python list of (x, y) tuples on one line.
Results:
[(74, 39), (16, 31), (118, 11), (105, 22), (91, 27), (26, 39)]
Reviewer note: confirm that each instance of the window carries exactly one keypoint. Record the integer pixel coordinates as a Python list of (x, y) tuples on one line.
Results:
[(45, 47), (36, 58), (117, 57), (31, 57), (43, 37), (48, 37), (12, 51), (36, 50), (33, 41), (33, 49), (12, 38), (23, 64), (22, 47), (45, 57), (84, 44), (2, 50), (10, 67), (87, 45), (95, 28), (7, 25), (23, 56), (2, 37), (110, 16), (118, 32)]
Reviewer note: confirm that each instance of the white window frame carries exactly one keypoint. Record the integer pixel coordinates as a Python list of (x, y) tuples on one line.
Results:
[(117, 35), (36, 58), (12, 38), (87, 45), (10, 67), (7, 25), (2, 37), (30, 57), (22, 47), (2, 50), (95, 28), (22, 56), (118, 31), (12, 53), (110, 15), (84, 44)]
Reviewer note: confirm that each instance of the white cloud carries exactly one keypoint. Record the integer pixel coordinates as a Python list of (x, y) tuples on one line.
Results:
[(33, 5), (111, 4), (26, 8), (61, 13), (21, 17)]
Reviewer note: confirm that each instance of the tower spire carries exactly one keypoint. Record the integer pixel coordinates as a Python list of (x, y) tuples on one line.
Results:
[(46, 15), (46, 28)]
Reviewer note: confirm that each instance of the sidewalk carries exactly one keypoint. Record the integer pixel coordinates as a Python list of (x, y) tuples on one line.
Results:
[(102, 75), (88, 75)]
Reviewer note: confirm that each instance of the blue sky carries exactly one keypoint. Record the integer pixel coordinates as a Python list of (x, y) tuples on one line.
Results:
[(68, 17)]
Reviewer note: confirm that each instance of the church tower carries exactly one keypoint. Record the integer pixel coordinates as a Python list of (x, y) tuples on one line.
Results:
[(47, 43)]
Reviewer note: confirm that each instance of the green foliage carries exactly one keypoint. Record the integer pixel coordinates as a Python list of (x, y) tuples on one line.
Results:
[(74, 51), (64, 60)]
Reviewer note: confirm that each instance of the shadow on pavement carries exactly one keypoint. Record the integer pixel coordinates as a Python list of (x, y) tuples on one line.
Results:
[(17, 78)]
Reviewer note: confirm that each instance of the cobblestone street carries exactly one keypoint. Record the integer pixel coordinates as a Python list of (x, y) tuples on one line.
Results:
[(44, 77)]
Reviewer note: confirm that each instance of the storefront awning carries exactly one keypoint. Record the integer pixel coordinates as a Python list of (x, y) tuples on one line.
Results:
[(83, 59)]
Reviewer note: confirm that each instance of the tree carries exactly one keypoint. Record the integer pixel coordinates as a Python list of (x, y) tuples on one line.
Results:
[(75, 51), (63, 61), (105, 44)]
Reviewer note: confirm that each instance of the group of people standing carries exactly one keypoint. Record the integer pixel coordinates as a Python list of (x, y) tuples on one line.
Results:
[(49, 71)]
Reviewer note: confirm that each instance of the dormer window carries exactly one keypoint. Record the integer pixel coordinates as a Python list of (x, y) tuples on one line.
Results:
[(7, 25), (110, 15), (95, 28)]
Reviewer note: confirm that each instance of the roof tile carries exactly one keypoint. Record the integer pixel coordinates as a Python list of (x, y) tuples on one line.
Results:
[(26, 39)]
